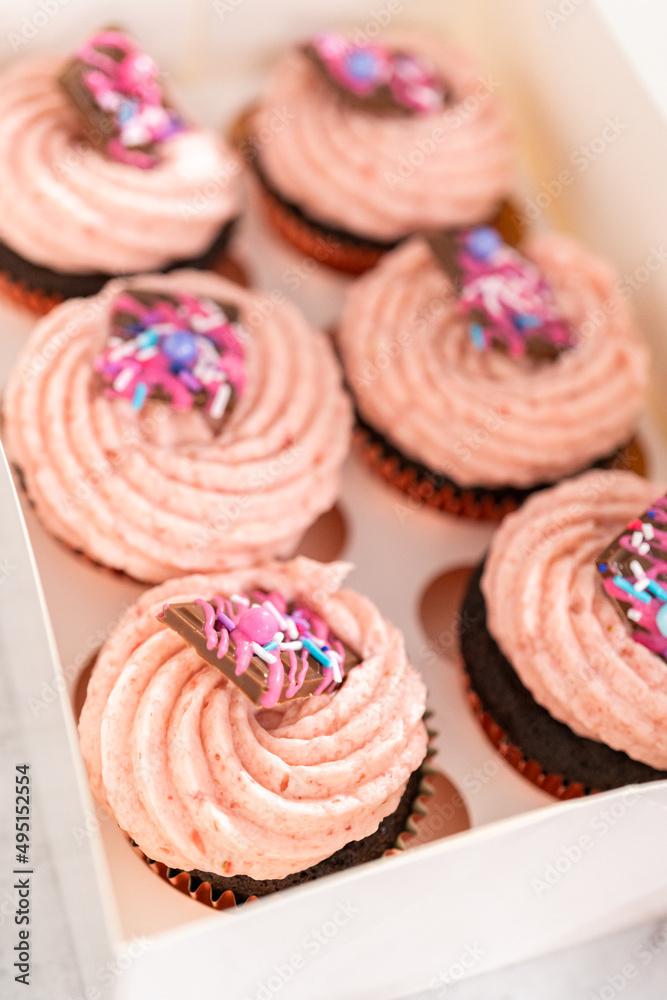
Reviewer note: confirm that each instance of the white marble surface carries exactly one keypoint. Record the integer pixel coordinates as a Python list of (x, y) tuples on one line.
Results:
[(632, 965)]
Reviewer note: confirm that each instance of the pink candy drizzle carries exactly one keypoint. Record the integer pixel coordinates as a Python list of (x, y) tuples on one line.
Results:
[(135, 366), (130, 91), (516, 301), (363, 69), (645, 541), (256, 630)]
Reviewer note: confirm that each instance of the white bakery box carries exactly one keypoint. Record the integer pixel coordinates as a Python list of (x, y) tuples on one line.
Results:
[(588, 87)]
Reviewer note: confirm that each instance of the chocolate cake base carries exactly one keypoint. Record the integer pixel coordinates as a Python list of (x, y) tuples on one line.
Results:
[(437, 490), (355, 853), (536, 743), (63, 285)]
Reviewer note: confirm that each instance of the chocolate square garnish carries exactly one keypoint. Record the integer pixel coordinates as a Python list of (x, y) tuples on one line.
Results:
[(373, 78), (115, 88), (181, 349), (267, 674), (506, 301), (633, 572)]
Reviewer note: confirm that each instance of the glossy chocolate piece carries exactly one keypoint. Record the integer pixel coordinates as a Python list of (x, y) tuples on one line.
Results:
[(505, 299), (380, 99), (103, 126), (187, 620)]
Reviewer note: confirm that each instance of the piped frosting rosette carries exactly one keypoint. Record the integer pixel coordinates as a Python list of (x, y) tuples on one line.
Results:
[(482, 417), (67, 206), (157, 492), (384, 176), (548, 612), (202, 779)]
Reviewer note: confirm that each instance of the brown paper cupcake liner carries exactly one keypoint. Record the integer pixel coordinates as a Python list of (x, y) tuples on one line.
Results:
[(324, 247), (36, 302), (530, 769), (437, 805), (436, 490)]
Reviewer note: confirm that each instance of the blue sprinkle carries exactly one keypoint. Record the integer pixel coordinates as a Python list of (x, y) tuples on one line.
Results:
[(602, 567), (316, 652), (148, 338), (477, 336), (271, 645), (629, 589), (656, 589), (139, 397), (127, 110), (526, 322), (661, 620)]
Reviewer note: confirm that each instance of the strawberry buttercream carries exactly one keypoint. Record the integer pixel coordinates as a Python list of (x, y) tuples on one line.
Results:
[(202, 779), (67, 206), (158, 491), (481, 416), (383, 176)]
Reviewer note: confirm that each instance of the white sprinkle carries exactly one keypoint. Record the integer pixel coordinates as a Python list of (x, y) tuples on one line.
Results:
[(203, 323), (637, 568), (644, 549), (123, 379), (220, 400), (642, 584), (277, 615), (634, 615), (335, 666), (648, 531), (240, 599), (124, 348), (262, 653), (291, 645), (637, 539), (291, 629)]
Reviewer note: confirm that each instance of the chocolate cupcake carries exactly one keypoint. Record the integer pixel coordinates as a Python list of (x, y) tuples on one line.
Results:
[(101, 176), (563, 635), (174, 424), (255, 730), (482, 373), (374, 142)]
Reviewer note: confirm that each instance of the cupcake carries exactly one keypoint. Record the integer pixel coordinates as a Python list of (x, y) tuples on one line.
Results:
[(356, 146), (219, 760), (101, 176), (563, 635), (177, 423), (482, 373)]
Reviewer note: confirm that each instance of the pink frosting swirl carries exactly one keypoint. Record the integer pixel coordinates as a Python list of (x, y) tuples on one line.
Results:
[(547, 610), (67, 206), (479, 416), (157, 493), (201, 778), (381, 176)]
